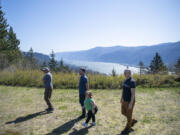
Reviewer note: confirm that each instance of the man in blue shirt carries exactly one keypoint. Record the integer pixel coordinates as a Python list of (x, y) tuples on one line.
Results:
[(47, 80), (128, 101), (83, 87)]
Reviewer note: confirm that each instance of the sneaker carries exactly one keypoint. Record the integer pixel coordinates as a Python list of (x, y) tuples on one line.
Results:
[(50, 109), (133, 122), (93, 124), (85, 124)]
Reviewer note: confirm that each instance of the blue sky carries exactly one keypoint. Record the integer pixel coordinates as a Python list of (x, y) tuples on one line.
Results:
[(69, 25)]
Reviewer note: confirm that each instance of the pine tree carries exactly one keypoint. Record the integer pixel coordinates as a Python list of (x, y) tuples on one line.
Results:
[(177, 66), (61, 67), (157, 65), (30, 55), (141, 67), (44, 64), (31, 59), (12, 40), (3, 26), (3, 32), (113, 72), (13, 46), (9, 50), (61, 63), (52, 63)]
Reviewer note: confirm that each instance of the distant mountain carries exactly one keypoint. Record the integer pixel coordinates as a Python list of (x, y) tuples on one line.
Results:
[(170, 52), (40, 58)]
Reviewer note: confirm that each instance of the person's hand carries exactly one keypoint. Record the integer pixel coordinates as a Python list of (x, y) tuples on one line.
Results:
[(121, 100), (93, 111), (130, 106)]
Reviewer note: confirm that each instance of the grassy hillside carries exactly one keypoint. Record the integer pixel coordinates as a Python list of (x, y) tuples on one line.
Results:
[(158, 112)]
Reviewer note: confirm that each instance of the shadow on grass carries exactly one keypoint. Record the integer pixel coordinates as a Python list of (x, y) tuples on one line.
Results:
[(132, 130), (82, 131), (9, 132), (28, 117), (65, 127)]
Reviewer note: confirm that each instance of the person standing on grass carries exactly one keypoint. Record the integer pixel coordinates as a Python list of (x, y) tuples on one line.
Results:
[(47, 80), (128, 101), (92, 109), (83, 87)]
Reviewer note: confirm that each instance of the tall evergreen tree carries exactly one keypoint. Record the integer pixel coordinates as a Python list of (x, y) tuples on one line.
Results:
[(52, 63), (141, 67), (157, 65), (61, 63), (61, 67), (3, 32), (113, 72), (44, 64), (12, 40), (30, 55), (31, 59), (9, 50), (13, 46), (177, 66), (3, 26)]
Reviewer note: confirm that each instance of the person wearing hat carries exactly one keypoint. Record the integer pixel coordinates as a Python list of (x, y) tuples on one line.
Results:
[(128, 101), (83, 87), (47, 80)]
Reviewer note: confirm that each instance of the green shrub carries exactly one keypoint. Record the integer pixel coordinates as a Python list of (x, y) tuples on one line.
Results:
[(33, 78)]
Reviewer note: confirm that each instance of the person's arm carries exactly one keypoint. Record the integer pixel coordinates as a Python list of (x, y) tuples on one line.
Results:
[(93, 107), (86, 83), (132, 98), (44, 78), (121, 101), (87, 86)]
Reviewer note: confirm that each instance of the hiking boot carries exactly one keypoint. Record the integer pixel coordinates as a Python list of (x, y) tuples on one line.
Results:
[(133, 122), (126, 131)]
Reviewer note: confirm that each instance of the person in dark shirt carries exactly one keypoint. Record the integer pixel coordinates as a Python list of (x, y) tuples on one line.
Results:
[(47, 80), (83, 87), (128, 101)]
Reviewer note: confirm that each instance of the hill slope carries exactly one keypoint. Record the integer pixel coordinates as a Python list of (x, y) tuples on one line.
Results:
[(39, 57), (170, 52)]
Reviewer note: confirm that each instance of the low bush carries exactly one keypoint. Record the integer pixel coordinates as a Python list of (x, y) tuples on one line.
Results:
[(33, 78)]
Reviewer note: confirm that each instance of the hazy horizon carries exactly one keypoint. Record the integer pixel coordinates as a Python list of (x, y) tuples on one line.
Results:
[(65, 26), (117, 46)]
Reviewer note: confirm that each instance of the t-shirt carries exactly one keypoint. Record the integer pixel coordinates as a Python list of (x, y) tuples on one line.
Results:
[(127, 85), (48, 80), (82, 84), (88, 104)]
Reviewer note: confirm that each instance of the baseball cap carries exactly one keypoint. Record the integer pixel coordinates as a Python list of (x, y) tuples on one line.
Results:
[(45, 69)]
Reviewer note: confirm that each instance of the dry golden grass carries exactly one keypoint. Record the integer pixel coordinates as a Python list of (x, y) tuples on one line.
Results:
[(158, 112)]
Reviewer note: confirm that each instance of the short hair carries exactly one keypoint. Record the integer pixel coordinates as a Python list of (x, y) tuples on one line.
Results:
[(89, 93), (83, 69), (127, 70)]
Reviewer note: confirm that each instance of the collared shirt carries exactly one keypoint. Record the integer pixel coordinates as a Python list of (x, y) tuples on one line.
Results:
[(48, 80), (127, 85), (82, 84)]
